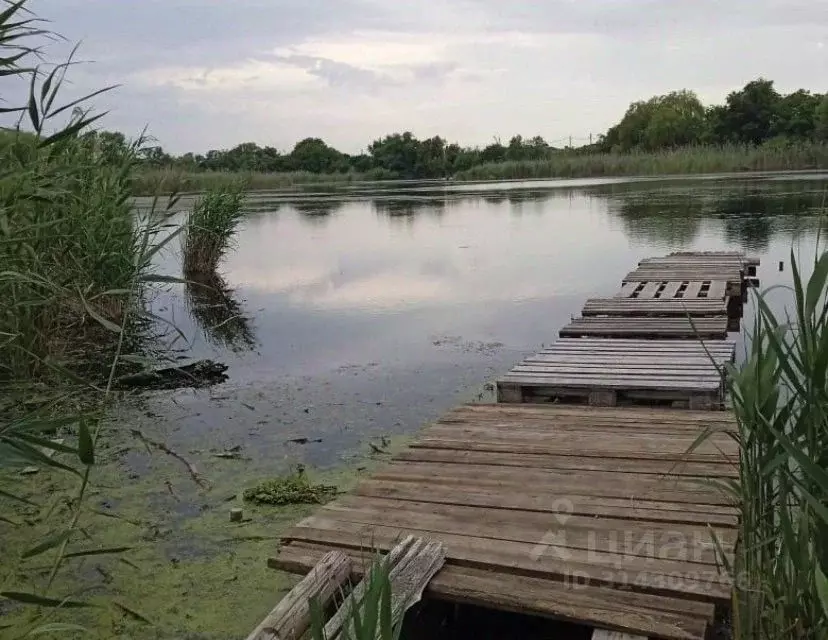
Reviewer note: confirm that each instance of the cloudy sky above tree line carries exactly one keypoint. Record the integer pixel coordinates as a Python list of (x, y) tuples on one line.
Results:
[(204, 74)]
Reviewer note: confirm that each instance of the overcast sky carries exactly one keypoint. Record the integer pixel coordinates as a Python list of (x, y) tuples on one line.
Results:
[(205, 74)]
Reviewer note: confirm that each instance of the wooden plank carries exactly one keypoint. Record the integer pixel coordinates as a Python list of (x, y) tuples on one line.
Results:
[(588, 416), (627, 383), (630, 490), (547, 501), (716, 442), (649, 291), (692, 290), (540, 559), (687, 542), (291, 617), (659, 616), (717, 290), (628, 289), (731, 276), (603, 634), (714, 346), (548, 461), (413, 563), (614, 307), (715, 327), (670, 290), (558, 448)]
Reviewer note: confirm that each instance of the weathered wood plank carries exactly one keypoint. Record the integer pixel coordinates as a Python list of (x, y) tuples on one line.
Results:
[(547, 501), (616, 307), (638, 327), (649, 291), (549, 461), (717, 290), (628, 289), (603, 634), (664, 577), (291, 617), (412, 563), (670, 290), (659, 616), (693, 289)]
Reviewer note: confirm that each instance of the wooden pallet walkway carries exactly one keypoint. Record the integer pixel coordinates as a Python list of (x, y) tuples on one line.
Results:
[(605, 372), (644, 327), (599, 516)]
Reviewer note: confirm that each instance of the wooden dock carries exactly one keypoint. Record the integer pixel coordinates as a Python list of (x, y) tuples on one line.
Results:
[(594, 513)]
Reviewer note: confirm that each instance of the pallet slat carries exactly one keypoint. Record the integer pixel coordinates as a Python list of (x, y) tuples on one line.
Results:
[(636, 327)]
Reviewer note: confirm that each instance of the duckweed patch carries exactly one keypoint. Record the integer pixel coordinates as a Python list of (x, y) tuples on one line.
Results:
[(295, 488)]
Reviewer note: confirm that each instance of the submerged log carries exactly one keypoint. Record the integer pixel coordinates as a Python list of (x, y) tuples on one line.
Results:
[(200, 373)]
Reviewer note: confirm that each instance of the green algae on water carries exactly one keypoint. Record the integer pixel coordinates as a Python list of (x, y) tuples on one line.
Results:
[(295, 488)]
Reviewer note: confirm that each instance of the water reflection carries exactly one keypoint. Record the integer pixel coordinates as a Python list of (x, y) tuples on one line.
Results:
[(316, 211), (212, 303), (751, 213), (410, 208)]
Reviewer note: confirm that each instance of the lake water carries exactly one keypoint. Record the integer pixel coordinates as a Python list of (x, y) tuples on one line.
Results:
[(361, 312), (365, 311)]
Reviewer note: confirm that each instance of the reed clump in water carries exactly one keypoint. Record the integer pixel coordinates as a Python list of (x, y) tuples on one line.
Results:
[(208, 232), (780, 398)]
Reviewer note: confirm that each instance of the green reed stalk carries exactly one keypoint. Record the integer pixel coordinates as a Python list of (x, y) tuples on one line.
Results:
[(780, 398)]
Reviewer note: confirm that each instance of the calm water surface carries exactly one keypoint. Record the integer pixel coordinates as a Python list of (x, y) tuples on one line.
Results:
[(365, 311)]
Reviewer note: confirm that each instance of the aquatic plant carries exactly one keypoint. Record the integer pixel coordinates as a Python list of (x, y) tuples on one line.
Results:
[(209, 229), (295, 488), (780, 397)]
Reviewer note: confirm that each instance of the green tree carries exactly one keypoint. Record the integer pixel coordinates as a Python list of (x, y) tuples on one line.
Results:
[(821, 119), (676, 119), (795, 115), (397, 153), (312, 154), (750, 114), (495, 152)]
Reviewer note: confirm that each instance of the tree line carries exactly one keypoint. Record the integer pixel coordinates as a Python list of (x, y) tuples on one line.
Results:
[(754, 115)]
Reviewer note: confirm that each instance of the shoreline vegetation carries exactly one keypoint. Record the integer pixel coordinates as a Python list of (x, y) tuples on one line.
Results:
[(756, 129), (812, 156)]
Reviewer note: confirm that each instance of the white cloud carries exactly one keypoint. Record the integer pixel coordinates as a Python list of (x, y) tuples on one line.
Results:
[(249, 74)]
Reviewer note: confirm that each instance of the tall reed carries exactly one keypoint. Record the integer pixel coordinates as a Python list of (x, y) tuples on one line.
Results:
[(780, 398), (209, 229), (687, 160), (73, 262)]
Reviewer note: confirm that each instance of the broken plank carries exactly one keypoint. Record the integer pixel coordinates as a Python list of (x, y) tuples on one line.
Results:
[(291, 618)]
